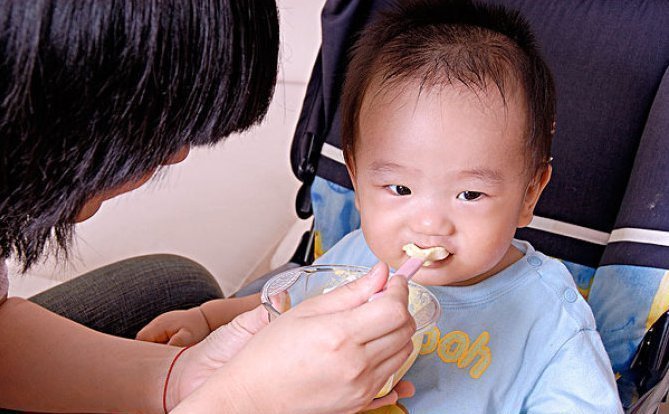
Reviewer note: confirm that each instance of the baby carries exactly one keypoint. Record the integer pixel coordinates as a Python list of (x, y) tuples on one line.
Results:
[(447, 118)]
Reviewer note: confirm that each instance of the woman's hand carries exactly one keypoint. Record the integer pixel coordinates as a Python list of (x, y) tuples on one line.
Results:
[(330, 354), (198, 363)]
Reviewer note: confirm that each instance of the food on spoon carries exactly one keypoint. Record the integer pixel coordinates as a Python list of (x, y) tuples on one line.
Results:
[(431, 254)]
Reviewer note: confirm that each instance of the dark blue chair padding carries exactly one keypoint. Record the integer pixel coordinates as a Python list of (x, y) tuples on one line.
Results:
[(646, 201), (608, 59)]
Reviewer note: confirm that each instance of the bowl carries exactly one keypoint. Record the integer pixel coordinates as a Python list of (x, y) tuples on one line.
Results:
[(289, 288)]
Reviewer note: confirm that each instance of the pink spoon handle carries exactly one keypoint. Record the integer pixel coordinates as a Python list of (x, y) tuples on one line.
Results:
[(408, 269)]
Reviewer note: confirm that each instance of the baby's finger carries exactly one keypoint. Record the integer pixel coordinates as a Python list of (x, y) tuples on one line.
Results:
[(181, 338), (151, 333), (403, 389), (388, 399)]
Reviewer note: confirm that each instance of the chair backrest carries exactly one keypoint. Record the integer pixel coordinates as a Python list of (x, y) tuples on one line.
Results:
[(606, 210)]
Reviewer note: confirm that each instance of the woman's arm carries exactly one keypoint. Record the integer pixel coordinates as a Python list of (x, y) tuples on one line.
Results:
[(49, 363), (329, 354)]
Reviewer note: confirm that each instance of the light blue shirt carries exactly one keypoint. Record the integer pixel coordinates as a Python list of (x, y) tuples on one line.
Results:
[(522, 341)]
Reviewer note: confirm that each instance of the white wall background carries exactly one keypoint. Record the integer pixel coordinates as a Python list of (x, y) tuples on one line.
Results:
[(228, 208)]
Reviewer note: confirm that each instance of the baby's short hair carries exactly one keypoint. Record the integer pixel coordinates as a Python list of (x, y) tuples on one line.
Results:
[(443, 42)]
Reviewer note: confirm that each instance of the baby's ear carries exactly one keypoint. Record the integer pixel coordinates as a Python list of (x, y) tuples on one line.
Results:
[(350, 167), (532, 194)]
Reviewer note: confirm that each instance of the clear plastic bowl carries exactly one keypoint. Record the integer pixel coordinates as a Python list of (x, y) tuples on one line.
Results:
[(289, 288)]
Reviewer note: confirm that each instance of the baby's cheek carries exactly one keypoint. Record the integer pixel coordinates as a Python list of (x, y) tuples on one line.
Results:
[(383, 251), (383, 236), (495, 251)]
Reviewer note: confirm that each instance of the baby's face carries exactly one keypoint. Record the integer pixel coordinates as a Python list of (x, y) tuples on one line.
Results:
[(446, 168)]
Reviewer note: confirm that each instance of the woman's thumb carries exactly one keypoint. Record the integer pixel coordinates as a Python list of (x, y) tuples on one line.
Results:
[(251, 322)]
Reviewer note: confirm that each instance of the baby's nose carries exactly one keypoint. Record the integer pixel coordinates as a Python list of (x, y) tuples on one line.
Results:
[(433, 221)]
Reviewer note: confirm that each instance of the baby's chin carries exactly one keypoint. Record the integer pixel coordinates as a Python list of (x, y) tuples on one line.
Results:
[(437, 275), (431, 277)]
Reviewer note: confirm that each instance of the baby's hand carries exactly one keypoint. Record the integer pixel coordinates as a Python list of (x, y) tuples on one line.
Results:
[(178, 328)]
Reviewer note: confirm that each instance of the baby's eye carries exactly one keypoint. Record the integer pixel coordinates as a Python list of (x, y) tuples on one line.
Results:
[(469, 195), (400, 190)]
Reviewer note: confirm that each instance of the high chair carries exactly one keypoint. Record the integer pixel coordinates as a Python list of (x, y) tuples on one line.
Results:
[(605, 212)]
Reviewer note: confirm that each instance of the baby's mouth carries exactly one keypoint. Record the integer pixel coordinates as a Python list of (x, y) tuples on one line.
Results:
[(429, 254)]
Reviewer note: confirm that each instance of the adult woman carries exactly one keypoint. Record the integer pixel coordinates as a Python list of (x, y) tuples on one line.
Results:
[(95, 95)]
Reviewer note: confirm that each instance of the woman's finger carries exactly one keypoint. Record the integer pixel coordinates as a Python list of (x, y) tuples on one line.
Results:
[(226, 341), (391, 365), (385, 346), (388, 313), (347, 296)]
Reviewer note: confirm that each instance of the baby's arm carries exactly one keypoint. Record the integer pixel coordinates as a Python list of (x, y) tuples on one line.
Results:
[(190, 326), (219, 312)]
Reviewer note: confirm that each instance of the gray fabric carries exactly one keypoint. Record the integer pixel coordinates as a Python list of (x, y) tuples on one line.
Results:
[(650, 402), (121, 298)]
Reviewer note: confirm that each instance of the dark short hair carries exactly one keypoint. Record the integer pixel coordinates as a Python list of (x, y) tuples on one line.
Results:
[(96, 93), (446, 42)]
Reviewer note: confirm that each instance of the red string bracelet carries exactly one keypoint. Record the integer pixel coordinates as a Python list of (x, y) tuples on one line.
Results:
[(167, 379)]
